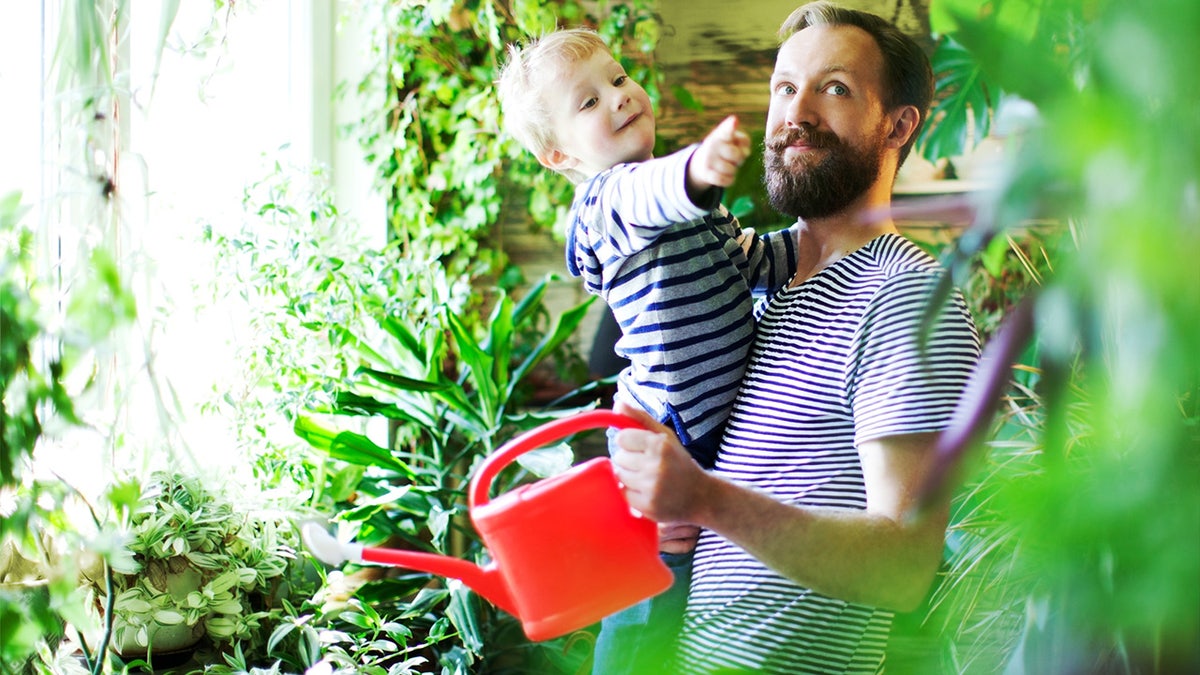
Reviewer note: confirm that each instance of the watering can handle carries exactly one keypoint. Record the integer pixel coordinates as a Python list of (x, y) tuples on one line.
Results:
[(535, 438)]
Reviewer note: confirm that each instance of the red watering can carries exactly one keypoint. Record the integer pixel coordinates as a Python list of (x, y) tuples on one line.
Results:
[(567, 550)]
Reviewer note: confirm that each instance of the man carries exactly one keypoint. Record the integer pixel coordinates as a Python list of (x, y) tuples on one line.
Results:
[(807, 543)]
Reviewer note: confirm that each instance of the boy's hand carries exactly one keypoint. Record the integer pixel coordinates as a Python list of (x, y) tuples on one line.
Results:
[(719, 156)]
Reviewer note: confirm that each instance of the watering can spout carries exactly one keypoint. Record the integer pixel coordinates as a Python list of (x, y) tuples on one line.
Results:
[(486, 581)]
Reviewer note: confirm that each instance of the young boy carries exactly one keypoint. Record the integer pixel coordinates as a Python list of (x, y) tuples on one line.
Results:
[(649, 236)]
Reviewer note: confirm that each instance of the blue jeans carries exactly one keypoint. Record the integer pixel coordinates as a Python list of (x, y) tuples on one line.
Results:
[(639, 639)]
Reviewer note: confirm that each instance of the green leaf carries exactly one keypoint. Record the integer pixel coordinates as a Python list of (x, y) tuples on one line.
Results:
[(686, 99), (348, 403), (994, 256), (961, 103), (563, 328), (463, 612), (356, 619), (231, 607), (124, 496), (168, 617), (403, 381), (132, 605), (11, 210), (316, 435), (348, 446), (224, 582), (742, 206), (170, 8), (358, 449), (548, 461), (478, 365), (220, 628), (463, 414), (499, 341), (529, 305), (399, 330), (278, 635)]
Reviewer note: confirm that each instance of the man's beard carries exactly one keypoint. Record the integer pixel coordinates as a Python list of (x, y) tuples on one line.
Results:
[(806, 188)]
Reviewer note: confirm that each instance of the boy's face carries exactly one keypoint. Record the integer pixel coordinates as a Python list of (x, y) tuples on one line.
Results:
[(600, 117)]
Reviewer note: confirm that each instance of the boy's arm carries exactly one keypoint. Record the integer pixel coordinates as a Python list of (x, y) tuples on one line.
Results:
[(771, 257), (635, 202), (715, 163)]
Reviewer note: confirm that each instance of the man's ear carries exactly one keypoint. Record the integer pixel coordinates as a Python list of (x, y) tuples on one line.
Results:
[(557, 160), (904, 125)]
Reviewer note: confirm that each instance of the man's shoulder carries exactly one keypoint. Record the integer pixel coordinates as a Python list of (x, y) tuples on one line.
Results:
[(895, 256)]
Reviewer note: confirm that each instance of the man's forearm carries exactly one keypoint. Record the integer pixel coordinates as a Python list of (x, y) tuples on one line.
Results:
[(853, 555)]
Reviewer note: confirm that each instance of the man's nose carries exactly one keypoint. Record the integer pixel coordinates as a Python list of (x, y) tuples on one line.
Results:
[(800, 111)]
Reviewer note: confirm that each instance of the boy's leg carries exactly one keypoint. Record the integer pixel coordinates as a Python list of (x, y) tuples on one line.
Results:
[(639, 639)]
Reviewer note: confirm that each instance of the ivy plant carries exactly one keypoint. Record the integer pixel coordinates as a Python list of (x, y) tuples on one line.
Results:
[(436, 141)]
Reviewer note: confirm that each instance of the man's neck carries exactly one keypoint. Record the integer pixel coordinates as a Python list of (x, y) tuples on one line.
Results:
[(824, 241)]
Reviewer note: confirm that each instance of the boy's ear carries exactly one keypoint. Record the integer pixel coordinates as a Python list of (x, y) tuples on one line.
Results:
[(557, 160)]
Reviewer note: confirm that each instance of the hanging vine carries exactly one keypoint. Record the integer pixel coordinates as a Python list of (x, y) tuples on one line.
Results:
[(436, 141)]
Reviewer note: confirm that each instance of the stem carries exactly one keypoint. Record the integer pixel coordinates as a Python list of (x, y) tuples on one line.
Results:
[(979, 401), (97, 664), (87, 657), (109, 602)]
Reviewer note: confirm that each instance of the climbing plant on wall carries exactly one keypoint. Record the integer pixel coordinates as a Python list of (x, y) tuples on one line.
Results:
[(434, 135)]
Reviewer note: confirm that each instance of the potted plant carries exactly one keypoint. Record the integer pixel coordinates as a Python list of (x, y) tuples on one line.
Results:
[(198, 566)]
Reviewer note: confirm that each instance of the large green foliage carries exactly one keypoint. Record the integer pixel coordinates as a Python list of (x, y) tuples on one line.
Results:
[(1075, 545), (453, 396)]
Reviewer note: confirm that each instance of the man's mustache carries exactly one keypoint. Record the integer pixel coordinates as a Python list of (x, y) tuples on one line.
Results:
[(802, 134)]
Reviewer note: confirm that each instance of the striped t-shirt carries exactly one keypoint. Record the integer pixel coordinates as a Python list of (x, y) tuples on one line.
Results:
[(835, 363), (679, 279)]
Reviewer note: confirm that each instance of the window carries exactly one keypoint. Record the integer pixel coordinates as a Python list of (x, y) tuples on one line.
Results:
[(197, 118)]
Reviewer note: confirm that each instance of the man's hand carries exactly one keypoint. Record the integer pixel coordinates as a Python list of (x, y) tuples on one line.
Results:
[(661, 479), (720, 155)]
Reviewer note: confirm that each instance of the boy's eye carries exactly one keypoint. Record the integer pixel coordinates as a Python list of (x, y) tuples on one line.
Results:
[(621, 79), (589, 103)]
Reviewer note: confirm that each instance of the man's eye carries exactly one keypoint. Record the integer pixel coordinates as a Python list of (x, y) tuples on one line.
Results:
[(786, 90), (838, 90)]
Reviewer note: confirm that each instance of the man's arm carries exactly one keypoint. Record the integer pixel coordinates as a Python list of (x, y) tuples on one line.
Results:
[(879, 556)]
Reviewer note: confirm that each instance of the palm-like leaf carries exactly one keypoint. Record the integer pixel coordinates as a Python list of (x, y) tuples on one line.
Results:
[(962, 108)]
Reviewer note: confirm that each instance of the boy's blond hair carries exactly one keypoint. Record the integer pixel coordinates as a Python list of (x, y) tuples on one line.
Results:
[(522, 84)]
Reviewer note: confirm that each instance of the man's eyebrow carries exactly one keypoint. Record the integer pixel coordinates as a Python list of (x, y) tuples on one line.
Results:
[(832, 69)]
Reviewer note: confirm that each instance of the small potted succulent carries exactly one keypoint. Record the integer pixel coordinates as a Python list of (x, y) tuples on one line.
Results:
[(199, 566)]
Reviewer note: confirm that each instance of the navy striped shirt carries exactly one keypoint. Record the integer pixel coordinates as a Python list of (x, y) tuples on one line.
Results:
[(679, 279), (835, 363)]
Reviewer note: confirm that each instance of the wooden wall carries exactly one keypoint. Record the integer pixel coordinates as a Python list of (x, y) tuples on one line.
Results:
[(724, 52)]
